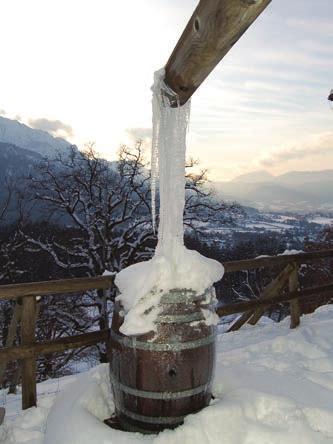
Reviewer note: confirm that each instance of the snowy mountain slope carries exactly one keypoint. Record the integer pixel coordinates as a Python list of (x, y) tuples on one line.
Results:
[(272, 385), (16, 133), (295, 190), (255, 177), (15, 161), (302, 177), (15, 164)]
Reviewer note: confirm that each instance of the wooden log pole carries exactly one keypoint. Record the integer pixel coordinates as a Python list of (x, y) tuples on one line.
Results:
[(272, 261), (295, 309), (272, 289), (28, 324), (215, 26), (240, 307), (240, 321), (59, 287), (11, 336), (54, 346)]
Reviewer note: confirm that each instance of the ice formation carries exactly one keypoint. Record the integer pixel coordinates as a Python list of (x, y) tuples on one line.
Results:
[(173, 266)]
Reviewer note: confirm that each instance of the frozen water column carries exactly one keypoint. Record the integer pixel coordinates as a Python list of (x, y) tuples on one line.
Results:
[(169, 139)]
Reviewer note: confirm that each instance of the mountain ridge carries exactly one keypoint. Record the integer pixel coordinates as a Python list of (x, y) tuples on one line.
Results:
[(300, 191), (23, 136)]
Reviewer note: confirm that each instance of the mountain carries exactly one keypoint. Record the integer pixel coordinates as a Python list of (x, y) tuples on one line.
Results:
[(300, 191), (16, 133), (21, 147), (255, 177), (15, 161), (300, 178)]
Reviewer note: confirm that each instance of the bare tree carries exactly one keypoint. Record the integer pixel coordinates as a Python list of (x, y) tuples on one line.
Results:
[(105, 207), (200, 202), (105, 211)]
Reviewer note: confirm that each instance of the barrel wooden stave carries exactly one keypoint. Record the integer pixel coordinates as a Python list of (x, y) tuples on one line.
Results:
[(162, 373)]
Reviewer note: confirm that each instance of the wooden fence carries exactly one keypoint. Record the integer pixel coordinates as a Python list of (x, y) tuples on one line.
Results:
[(26, 294)]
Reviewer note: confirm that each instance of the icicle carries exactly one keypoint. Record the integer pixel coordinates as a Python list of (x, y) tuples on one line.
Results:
[(173, 266), (154, 158), (168, 153)]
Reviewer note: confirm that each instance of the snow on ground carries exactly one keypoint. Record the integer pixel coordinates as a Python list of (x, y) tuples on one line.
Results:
[(270, 226), (321, 220), (273, 385)]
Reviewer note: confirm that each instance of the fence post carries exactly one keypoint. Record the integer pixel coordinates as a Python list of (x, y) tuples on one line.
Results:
[(28, 325), (295, 309), (11, 336)]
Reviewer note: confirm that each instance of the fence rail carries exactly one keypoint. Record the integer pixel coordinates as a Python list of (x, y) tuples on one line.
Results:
[(26, 294), (57, 287)]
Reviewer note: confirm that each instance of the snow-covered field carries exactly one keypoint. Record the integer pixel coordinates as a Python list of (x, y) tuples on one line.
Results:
[(321, 220), (273, 385)]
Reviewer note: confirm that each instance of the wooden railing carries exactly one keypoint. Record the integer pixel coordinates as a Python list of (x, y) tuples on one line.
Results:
[(25, 296)]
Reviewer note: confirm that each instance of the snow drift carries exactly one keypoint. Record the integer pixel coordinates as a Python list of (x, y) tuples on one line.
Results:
[(272, 385)]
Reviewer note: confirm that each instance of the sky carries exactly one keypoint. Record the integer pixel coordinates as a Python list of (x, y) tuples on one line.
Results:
[(83, 70)]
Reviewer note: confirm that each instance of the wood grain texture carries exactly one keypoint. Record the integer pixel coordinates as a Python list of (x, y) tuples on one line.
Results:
[(295, 309), (11, 335), (241, 321), (161, 372), (63, 286), (241, 307), (54, 346), (60, 286), (215, 26), (269, 291), (272, 289), (28, 325), (271, 261)]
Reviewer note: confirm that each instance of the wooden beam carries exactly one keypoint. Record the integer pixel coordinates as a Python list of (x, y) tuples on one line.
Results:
[(240, 321), (215, 26), (55, 346), (271, 261), (241, 307), (28, 325), (63, 286), (11, 336), (295, 309), (273, 289), (60, 286)]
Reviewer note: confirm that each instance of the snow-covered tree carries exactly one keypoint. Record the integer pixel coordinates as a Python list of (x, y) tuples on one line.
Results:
[(102, 212), (105, 204), (105, 208)]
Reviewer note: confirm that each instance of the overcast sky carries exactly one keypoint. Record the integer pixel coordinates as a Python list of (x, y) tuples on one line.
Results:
[(83, 70)]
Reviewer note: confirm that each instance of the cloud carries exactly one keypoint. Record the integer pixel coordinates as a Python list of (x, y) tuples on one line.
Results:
[(314, 26), (318, 145), (55, 127), (2, 112), (139, 133)]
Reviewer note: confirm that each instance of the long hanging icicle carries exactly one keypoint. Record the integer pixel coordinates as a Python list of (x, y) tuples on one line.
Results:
[(168, 152), (173, 266), (154, 162)]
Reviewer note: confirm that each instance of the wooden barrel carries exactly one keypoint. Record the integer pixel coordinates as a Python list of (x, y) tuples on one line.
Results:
[(159, 378)]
